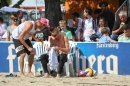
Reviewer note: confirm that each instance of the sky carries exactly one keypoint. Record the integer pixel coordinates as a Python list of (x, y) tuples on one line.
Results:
[(29, 2)]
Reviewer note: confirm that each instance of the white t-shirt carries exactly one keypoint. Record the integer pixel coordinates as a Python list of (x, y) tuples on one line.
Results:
[(4, 28), (88, 28), (18, 30)]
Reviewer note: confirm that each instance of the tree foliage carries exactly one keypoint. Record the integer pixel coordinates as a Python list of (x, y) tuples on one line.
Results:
[(5, 3), (62, 1)]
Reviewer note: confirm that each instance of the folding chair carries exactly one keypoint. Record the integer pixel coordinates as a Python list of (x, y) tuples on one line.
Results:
[(69, 64), (40, 49)]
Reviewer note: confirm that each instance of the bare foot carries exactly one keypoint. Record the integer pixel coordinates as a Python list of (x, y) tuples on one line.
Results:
[(22, 75), (58, 76), (30, 74), (46, 75)]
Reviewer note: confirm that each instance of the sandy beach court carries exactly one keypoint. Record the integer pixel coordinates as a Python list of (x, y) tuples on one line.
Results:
[(97, 80)]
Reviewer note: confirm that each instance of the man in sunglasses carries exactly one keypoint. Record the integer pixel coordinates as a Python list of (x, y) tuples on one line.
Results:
[(60, 43), (23, 45)]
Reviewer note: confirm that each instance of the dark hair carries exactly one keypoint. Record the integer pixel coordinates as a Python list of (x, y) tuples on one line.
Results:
[(103, 2), (1, 19), (18, 12), (105, 22), (13, 16), (75, 14), (126, 26), (89, 10), (53, 29), (97, 11)]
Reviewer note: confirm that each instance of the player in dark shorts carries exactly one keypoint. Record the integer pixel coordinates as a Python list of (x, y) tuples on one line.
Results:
[(23, 45)]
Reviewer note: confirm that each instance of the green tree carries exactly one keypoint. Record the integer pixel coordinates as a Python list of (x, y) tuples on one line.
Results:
[(53, 12), (5, 3), (9, 1), (62, 1)]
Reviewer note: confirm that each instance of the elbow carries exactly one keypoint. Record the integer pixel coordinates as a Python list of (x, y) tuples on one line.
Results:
[(20, 38)]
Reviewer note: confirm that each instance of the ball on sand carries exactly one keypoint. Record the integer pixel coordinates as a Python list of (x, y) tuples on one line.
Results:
[(89, 72)]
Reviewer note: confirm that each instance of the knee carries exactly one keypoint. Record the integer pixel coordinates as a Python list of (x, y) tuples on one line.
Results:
[(43, 57), (32, 54)]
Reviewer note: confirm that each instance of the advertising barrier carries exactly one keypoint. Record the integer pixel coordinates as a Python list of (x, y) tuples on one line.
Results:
[(103, 58)]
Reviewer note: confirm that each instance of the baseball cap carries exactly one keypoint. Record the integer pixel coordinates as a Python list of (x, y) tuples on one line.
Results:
[(45, 22)]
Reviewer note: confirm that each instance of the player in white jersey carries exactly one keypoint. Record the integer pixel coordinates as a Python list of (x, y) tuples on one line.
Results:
[(23, 45)]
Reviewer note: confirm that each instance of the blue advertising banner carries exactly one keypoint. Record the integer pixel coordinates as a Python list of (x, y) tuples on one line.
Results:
[(113, 58), (107, 58)]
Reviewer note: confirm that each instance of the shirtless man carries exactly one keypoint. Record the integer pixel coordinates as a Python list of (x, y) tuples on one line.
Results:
[(61, 43), (23, 45)]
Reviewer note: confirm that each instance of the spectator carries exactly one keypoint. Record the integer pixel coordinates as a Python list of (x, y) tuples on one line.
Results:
[(107, 14), (88, 24), (105, 36), (96, 17), (97, 35), (14, 19), (117, 28), (42, 33), (20, 16), (3, 28), (126, 36), (77, 24), (65, 29)]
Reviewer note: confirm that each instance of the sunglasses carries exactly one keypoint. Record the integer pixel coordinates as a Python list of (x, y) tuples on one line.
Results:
[(14, 19), (54, 35)]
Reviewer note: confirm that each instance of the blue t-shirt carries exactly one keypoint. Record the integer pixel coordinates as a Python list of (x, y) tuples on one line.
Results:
[(98, 33), (104, 39)]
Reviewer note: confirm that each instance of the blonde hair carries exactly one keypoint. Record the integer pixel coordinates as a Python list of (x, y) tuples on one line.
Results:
[(38, 19), (62, 22), (104, 30)]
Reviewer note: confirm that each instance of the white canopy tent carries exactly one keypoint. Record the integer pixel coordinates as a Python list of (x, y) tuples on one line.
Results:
[(10, 9)]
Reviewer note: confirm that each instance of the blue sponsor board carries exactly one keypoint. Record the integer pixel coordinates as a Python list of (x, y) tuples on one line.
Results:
[(113, 58), (107, 57)]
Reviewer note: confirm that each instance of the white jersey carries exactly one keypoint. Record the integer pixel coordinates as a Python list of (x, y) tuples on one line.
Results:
[(88, 28), (18, 30)]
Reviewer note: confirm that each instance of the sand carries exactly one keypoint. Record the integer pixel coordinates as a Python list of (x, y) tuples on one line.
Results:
[(97, 80)]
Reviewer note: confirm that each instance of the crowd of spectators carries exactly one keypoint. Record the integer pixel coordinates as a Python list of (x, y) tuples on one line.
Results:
[(87, 28)]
